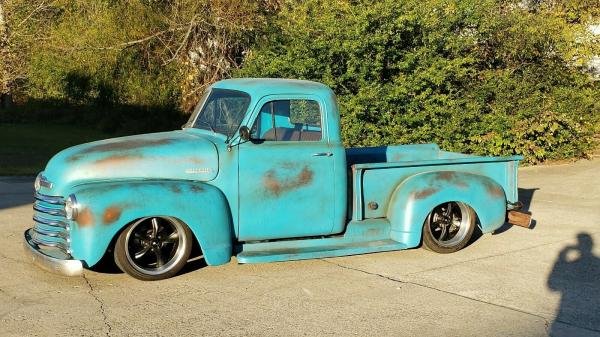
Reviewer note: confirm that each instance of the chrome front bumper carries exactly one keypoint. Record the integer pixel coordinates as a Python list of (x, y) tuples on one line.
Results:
[(50, 263)]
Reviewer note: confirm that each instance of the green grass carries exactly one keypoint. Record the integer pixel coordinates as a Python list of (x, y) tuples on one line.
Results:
[(26, 148)]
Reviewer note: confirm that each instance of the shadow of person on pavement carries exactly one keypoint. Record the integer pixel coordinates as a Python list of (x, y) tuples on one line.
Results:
[(576, 275)]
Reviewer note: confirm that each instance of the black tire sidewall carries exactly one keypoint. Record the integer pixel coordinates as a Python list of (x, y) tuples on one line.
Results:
[(430, 243), (120, 256)]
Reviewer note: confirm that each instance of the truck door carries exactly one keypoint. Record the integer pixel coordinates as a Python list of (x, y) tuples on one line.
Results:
[(286, 185)]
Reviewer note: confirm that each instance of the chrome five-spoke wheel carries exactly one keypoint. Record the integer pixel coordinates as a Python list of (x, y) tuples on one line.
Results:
[(153, 248), (449, 227)]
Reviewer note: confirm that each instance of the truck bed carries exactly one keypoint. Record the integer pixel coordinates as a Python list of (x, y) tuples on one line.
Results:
[(377, 171), (399, 153)]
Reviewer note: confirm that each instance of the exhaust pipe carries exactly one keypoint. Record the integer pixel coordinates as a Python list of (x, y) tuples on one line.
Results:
[(519, 218)]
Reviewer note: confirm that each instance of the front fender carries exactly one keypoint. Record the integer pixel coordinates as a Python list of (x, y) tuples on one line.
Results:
[(416, 196), (106, 208)]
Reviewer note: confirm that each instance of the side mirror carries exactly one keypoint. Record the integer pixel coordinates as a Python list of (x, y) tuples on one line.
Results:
[(245, 133)]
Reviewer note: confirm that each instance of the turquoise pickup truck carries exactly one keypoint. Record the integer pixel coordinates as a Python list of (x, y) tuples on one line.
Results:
[(259, 172)]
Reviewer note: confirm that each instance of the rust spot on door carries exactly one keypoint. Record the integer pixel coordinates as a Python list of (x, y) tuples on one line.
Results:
[(422, 194), (276, 186), (175, 189), (85, 218), (111, 214)]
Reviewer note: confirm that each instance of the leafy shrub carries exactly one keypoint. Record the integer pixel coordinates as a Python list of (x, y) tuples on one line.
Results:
[(485, 77)]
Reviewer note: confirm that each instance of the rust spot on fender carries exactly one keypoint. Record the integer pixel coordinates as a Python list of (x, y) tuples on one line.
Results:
[(196, 188), (493, 190), (276, 186), (446, 175), (452, 178), (117, 159), (422, 194), (85, 218), (111, 214), (195, 160), (121, 145)]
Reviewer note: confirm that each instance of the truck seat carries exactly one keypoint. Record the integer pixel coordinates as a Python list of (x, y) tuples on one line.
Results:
[(286, 134)]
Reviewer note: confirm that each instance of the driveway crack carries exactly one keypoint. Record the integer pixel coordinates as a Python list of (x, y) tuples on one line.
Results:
[(101, 303), (389, 278)]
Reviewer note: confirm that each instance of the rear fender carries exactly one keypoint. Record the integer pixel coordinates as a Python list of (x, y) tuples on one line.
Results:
[(106, 208), (416, 196)]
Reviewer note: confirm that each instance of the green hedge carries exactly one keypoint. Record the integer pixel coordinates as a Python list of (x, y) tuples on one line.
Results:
[(484, 77)]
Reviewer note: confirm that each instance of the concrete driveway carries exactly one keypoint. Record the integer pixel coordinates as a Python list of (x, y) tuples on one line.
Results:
[(517, 282)]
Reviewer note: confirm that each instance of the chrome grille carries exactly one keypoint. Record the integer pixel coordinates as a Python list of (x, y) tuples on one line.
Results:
[(51, 228)]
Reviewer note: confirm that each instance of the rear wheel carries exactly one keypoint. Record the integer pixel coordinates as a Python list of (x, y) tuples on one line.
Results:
[(449, 227), (153, 248)]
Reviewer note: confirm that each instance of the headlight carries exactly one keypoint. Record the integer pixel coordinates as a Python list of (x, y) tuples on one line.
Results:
[(71, 207), (37, 184)]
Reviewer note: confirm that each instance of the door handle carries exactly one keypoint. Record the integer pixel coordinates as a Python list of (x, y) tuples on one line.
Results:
[(323, 154)]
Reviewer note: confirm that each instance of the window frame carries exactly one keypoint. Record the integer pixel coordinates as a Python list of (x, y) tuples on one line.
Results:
[(270, 98)]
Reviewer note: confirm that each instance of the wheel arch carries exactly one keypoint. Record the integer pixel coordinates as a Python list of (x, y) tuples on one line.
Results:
[(414, 198), (106, 209)]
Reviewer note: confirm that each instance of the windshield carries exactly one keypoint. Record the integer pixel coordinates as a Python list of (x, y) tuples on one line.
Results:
[(221, 111)]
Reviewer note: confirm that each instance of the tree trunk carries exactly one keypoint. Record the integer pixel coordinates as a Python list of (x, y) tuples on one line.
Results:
[(5, 94)]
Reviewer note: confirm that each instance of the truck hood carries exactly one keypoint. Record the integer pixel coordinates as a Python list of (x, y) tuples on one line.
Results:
[(165, 155)]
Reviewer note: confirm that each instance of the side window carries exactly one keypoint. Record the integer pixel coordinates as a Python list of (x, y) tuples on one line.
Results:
[(288, 120)]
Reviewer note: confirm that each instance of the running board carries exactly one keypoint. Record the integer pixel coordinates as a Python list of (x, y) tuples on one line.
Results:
[(249, 255), (361, 237)]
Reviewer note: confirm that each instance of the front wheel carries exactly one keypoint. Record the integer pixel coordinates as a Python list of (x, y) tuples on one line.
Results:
[(449, 227), (153, 248)]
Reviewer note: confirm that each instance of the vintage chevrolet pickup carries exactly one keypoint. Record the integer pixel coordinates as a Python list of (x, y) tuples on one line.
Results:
[(259, 172)]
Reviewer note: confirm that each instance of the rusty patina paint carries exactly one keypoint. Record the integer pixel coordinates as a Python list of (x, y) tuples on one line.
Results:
[(111, 214), (133, 144), (494, 190), (196, 188), (85, 218), (117, 160), (424, 193), (451, 177), (276, 186)]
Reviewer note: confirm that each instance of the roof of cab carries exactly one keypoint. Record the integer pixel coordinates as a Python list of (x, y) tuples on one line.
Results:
[(260, 87)]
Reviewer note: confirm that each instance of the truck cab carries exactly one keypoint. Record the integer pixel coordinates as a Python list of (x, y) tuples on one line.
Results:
[(259, 172)]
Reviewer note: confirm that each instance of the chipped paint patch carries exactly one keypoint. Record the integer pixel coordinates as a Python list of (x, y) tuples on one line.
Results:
[(111, 214), (276, 186), (175, 189), (85, 218)]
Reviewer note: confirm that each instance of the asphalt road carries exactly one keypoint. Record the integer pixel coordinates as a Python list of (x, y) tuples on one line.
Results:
[(517, 282)]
